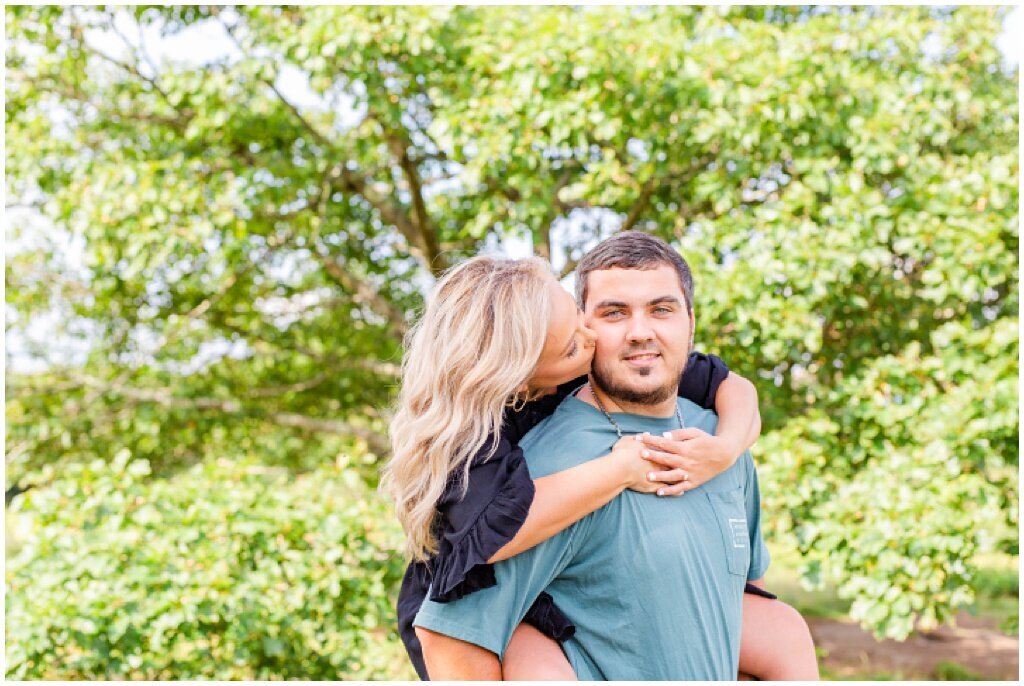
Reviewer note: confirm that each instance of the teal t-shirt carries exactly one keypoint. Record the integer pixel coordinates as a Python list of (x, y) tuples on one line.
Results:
[(654, 585)]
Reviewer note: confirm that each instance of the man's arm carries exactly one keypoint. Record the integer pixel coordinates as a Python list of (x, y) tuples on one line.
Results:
[(449, 659)]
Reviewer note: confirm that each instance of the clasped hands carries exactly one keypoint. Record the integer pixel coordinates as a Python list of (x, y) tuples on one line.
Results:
[(677, 461)]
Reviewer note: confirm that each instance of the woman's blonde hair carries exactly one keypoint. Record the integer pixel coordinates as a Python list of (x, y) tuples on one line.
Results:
[(473, 350)]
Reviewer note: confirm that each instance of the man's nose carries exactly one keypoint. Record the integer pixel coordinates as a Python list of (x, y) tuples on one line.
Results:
[(639, 330)]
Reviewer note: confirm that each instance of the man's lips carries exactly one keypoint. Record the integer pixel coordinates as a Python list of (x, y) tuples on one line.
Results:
[(641, 359)]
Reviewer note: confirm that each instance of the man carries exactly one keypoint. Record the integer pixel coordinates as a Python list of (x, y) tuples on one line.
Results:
[(653, 585)]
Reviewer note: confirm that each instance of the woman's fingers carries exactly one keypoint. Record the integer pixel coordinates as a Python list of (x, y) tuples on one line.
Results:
[(670, 476), (676, 435), (676, 489), (661, 443), (685, 434), (660, 457), (666, 458), (688, 450)]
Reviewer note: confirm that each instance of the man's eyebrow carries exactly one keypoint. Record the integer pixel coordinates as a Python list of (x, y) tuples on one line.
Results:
[(669, 299), (610, 303)]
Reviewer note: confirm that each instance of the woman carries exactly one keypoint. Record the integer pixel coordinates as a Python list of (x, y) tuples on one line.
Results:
[(498, 333)]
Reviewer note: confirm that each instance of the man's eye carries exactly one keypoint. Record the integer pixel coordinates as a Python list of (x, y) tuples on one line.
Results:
[(612, 313), (663, 310)]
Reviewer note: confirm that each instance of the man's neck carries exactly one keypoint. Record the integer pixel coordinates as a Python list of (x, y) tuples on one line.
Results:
[(662, 410)]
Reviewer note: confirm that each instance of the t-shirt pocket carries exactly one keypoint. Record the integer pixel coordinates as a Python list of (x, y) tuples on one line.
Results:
[(731, 513)]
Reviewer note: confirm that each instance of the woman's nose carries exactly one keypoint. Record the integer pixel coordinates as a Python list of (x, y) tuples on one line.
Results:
[(589, 335)]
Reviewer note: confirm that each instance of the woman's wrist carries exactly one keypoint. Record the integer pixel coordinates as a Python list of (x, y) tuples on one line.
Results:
[(730, 448), (619, 473)]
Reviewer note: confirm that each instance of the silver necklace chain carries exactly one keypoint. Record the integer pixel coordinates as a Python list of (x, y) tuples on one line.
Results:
[(618, 429)]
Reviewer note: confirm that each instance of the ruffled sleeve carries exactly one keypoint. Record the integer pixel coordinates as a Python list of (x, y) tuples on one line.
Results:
[(703, 375), (478, 524), (546, 616)]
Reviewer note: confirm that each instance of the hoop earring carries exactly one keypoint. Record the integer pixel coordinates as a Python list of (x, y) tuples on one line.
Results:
[(517, 401)]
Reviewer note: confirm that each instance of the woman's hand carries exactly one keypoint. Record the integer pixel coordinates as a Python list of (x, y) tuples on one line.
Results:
[(690, 457), (635, 459)]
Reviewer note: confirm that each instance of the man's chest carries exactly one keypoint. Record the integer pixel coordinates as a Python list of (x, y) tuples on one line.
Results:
[(655, 590), (702, 531), (655, 545)]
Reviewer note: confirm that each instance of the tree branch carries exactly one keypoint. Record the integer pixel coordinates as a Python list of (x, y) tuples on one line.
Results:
[(394, 214), (400, 149), (509, 192), (339, 363), (328, 361), (142, 49), (568, 268), (312, 130), (561, 205), (134, 71), (650, 186), (277, 391), (377, 442), (557, 207), (365, 294), (640, 206), (421, 242)]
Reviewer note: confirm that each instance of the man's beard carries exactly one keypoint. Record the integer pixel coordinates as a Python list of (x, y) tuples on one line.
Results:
[(604, 379)]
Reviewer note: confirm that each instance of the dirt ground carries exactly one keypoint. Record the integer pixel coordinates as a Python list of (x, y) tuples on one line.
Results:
[(974, 643)]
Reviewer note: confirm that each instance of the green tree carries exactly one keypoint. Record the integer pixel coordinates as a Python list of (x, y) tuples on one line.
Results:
[(843, 181)]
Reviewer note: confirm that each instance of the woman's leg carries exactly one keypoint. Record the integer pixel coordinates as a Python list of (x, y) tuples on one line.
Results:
[(450, 659), (775, 643), (532, 656)]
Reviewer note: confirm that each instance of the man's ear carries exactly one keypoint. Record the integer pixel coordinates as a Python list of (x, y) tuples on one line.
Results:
[(693, 329)]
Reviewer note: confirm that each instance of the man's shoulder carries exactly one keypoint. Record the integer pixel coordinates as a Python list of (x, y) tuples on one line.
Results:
[(572, 435), (536, 434), (565, 416), (697, 417)]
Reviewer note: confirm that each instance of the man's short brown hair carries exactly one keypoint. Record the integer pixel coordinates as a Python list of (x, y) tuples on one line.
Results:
[(632, 250)]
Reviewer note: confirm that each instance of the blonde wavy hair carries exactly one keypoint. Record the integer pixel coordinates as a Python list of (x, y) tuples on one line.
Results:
[(470, 354)]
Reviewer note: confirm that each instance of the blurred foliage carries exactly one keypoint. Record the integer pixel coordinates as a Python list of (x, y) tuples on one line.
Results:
[(997, 589), (842, 180), (225, 571), (923, 485), (951, 671)]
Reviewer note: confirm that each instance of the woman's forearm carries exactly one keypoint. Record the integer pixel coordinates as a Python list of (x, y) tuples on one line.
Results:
[(564, 498), (739, 420)]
